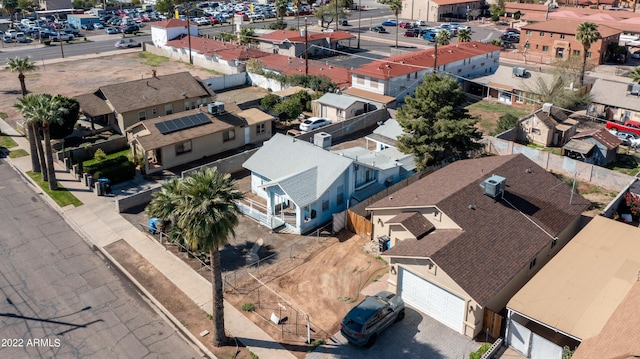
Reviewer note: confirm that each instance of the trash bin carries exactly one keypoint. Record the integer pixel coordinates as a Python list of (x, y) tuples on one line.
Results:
[(153, 225), (106, 185), (99, 188)]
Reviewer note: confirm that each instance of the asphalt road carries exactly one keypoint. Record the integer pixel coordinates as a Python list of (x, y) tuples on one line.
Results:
[(59, 298)]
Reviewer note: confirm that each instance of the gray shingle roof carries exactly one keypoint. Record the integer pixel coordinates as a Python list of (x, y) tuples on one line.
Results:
[(133, 95), (614, 94), (390, 129), (302, 169), (496, 241), (379, 160)]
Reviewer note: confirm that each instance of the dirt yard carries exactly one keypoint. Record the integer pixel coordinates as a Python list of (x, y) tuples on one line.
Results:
[(71, 78)]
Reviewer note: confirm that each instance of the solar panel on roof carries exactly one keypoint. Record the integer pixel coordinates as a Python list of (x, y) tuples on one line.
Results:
[(182, 123)]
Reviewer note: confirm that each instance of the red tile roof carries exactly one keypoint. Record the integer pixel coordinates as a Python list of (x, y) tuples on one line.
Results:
[(209, 48), (170, 23), (400, 65), (293, 65), (279, 36), (453, 2)]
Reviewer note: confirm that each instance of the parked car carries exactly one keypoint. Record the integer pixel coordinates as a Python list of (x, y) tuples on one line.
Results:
[(87, 27), (430, 36), (61, 36), (451, 28), (21, 37), (131, 29), (112, 30), (406, 25), (629, 139), (7, 38), (389, 22), (363, 323), (312, 123), (411, 33), (421, 23), (378, 29), (127, 43)]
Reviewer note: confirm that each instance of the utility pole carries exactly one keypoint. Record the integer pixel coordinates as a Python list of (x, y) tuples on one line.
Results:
[(337, 17), (359, 19), (306, 48), (189, 36), (61, 47)]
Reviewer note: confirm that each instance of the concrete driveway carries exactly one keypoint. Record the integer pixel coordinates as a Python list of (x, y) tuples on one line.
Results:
[(417, 336)]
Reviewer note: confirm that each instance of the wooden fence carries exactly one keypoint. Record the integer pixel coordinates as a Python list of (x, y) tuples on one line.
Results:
[(359, 225), (492, 323)]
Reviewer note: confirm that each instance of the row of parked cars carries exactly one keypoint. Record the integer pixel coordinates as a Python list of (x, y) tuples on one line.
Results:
[(39, 32), (417, 29)]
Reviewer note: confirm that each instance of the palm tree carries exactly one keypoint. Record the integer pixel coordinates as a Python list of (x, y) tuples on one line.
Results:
[(442, 38), (395, 6), (22, 65), (635, 75), (587, 34), (464, 35), (43, 110), (281, 8), (27, 105), (203, 209)]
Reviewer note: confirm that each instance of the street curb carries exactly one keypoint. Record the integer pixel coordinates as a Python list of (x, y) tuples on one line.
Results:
[(51, 203), (174, 320)]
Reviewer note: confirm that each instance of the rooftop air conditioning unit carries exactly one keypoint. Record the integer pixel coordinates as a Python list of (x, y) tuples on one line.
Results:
[(216, 108), (322, 140), (493, 186), (519, 72), (633, 89)]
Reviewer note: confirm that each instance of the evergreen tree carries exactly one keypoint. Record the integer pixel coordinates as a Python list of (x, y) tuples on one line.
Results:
[(436, 125)]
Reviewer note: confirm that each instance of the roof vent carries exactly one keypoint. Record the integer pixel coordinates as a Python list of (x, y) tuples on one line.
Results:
[(633, 89), (493, 186), (546, 107)]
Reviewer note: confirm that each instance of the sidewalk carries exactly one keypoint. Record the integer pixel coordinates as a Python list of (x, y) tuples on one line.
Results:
[(99, 224)]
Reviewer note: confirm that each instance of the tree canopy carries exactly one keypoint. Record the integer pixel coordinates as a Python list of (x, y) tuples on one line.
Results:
[(587, 34), (327, 13), (435, 123)]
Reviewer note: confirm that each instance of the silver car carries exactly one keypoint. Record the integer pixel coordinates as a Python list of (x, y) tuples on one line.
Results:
[(363, 323)]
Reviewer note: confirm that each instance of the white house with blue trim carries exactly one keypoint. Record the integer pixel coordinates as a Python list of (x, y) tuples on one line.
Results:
[(304, 185)]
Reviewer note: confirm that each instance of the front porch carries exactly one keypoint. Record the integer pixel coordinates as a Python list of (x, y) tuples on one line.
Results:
[(256, 208)]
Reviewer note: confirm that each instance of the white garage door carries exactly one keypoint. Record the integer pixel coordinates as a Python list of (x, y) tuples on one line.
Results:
[(431, 299)]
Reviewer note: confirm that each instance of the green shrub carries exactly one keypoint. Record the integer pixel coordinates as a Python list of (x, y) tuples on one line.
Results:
[(277, 25), (480, 352), (248, 307), (269, 101), (118, 169), (99, 155)]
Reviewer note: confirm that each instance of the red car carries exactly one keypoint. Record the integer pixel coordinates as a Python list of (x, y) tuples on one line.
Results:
[(411, 33), (406, 25)]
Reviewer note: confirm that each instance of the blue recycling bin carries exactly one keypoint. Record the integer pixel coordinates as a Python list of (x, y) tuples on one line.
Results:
[(153, 225)]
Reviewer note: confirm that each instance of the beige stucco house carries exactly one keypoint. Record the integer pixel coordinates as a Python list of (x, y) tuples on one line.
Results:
[(338, 107), (464, 239), (586, 296), (180, 138), (124, 104), (548, 126)]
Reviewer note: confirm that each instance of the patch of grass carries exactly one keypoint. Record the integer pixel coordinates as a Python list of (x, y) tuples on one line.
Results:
[(61, 196), (248, 307), (253, 355), (6, 141), (499, 108), (316, 343), (554, 150), (3, 115), (152, 59), (18, 153), (381, 259), (209, 316), (376, 278), (126, 153)]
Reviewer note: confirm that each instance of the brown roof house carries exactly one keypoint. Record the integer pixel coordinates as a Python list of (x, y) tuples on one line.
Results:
[(598, 147), (464, 239), (292, 43), (615, 101), (586, 296), (121, 105), (180, 138), (548, 126)]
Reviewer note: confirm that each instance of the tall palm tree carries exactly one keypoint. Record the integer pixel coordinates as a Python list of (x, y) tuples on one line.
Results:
[(442, 38), (45, 110), (27, 107), (635, 75), (22, 65), (202, 207), (464, 35), (281, 8), (395, 6), (587, 34)]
